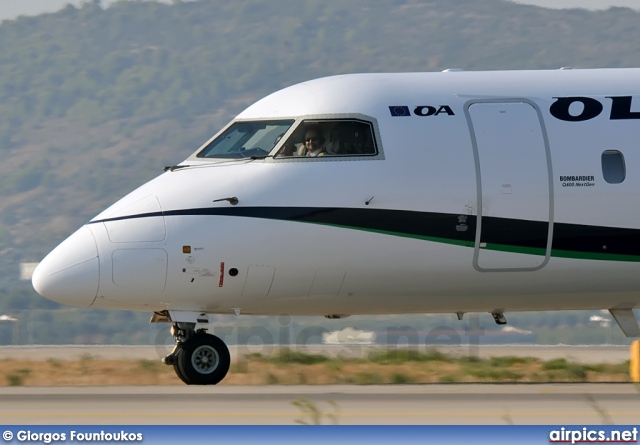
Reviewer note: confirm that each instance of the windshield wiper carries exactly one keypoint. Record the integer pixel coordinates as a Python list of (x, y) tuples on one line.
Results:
[(175, 167), (170, 168), (256, 158)]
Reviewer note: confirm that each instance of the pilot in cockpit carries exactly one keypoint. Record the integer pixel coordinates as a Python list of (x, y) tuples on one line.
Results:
[(314, 142), (288, 149)]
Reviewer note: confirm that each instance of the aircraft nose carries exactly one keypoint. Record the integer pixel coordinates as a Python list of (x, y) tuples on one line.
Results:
[(70, 273)]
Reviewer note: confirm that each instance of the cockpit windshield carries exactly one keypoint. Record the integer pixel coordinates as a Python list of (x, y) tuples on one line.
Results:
[(246, 139)]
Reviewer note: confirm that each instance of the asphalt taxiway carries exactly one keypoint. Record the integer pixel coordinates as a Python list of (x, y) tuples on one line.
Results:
[(344, 404)]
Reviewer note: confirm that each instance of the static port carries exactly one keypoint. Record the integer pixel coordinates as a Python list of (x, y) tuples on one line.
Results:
[(233, 271)]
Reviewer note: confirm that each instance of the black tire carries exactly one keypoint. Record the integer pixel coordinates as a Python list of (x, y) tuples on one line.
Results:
[(204, 360), (176, 367)]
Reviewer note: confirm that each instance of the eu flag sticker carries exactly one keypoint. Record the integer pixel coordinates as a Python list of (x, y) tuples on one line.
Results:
[(399, 110)]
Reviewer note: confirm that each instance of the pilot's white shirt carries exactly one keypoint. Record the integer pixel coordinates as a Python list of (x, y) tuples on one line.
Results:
[(315, 153)]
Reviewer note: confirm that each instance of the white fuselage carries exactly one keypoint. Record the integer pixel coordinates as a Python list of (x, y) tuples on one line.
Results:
[(489, 195)]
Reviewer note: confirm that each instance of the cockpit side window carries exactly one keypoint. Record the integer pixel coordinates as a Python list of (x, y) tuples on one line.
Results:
[(329, 138), (246, 139)]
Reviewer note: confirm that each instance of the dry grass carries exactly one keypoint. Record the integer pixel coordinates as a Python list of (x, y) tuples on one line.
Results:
[(85, 372), (292, 368)]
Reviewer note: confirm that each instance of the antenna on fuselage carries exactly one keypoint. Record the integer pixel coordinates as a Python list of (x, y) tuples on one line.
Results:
[(232, 200)]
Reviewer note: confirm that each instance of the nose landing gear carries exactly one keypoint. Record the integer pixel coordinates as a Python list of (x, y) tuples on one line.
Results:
[(198, 358)]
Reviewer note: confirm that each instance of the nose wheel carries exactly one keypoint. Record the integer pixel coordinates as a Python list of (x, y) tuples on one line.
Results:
[(200, 359)]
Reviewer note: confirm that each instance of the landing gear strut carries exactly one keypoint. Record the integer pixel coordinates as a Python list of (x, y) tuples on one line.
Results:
[(198, 358)]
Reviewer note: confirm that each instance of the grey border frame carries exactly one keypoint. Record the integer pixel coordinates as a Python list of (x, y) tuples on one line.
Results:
[(344, 158)]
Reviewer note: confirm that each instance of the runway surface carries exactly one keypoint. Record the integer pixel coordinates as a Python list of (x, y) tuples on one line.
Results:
[(393, 404), (556, 404)]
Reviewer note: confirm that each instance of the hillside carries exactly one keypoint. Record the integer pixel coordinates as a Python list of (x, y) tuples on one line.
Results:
[(94, 102)]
